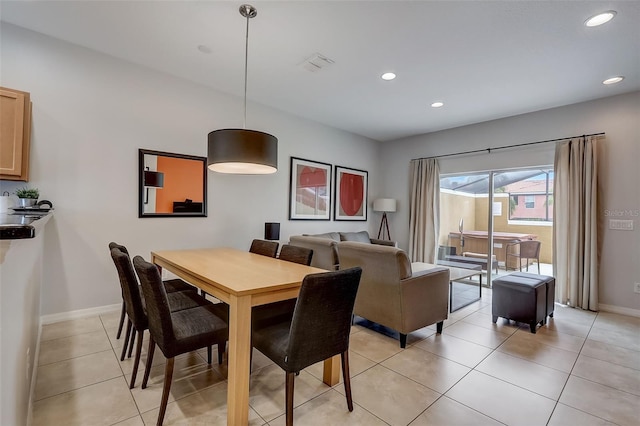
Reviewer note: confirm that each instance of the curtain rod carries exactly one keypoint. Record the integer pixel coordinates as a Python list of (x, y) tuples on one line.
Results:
[(488, 150)]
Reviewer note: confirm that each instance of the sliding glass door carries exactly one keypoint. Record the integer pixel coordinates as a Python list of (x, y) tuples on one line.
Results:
[(487, 220)]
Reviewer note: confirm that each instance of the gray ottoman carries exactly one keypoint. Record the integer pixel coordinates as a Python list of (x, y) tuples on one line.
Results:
[(520, 298)]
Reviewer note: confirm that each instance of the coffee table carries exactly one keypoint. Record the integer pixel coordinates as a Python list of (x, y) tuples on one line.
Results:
[(455, 274)]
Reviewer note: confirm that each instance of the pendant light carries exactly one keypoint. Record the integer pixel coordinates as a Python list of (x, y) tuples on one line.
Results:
[(242, 151)]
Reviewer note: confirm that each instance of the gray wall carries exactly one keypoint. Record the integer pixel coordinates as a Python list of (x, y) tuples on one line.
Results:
[(617, 116), (92, 112)]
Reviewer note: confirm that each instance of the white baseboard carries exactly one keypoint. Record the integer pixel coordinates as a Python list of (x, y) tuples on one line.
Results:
[(80, 313), (619, 310)]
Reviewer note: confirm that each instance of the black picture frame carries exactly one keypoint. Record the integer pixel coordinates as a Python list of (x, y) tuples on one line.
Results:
[(186, 201), (351, 200), (309, 190)]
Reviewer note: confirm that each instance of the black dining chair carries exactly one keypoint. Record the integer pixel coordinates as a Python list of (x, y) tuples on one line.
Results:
[(296, 254), (171, 286), (135, 305), (175, 332), (273, 311), (265, 248), (318, 329)]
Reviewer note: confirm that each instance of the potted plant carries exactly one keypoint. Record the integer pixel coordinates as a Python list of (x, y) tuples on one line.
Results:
[(27, 197)]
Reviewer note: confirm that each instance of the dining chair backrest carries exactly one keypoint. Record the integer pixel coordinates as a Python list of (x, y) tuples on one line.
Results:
[(157, 304), (322, 317), (265, 248), (129, 286), (296, 254), (120, 247), (530, 249)]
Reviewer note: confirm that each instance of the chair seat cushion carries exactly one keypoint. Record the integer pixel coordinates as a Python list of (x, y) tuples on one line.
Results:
[(194, 329), (171, 286), (270, 313), (273, 341), (181, 300)]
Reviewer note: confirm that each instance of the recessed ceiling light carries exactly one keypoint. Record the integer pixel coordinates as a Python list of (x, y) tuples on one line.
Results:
[(600, 18), (437, 104), (388, 76), (204, 49), (614, 80)]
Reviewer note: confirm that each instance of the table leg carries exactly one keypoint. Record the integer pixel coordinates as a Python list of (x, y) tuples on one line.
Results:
[(331, 372), (239, 355)]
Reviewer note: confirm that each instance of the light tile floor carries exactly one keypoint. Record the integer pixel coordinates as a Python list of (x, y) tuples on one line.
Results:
[(581, 368)]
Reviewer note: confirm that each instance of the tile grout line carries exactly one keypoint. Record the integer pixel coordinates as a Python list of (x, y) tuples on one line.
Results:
[(571, 371)]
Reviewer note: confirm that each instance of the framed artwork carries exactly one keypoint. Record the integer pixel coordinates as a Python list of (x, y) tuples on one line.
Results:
[(310, 190), (351, 194)]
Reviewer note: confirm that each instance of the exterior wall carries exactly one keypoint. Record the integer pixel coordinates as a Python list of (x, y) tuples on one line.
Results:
[(454, 207), (500, 224)]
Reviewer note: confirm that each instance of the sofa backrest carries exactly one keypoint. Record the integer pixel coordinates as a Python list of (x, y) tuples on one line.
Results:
[(360, 237), (335, 236), (385, 262), (325, 250)]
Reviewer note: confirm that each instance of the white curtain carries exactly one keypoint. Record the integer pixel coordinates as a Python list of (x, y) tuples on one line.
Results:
[(424, 210), (575, 223)]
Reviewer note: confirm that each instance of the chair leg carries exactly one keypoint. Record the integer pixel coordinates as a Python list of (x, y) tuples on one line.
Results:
[(133, 337), (136, 362), (168, 374), (147, 368), (346, 378), (289, 398), (222, 346), (538, 266), (127, 334), (122, 314), (403, 340), (209, 351), (439, 327)]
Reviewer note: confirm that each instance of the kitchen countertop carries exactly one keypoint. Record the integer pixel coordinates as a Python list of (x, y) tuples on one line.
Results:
[(38, 228), (25, 224)]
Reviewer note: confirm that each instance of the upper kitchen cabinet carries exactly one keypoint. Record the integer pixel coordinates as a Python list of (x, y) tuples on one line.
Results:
[(15, 134)]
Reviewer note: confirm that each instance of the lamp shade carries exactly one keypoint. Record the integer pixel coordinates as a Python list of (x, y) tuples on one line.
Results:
[(240, 151), (271, 231), (153, 179), (384, 205)]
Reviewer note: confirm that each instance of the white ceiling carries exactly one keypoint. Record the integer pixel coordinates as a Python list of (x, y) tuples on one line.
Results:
[(483, 59)]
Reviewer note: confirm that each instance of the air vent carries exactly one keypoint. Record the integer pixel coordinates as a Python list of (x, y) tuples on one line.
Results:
[(316, 62)]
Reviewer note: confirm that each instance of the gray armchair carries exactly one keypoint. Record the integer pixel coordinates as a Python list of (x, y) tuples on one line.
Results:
[(390, 294)]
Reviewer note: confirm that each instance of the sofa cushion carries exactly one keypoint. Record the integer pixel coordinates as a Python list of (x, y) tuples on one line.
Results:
[(331, 235), (358, 237)]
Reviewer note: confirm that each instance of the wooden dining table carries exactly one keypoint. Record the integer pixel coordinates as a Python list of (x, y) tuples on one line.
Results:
[(242, 280)]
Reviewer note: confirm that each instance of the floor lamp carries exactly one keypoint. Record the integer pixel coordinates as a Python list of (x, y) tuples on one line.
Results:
[(384, 205)]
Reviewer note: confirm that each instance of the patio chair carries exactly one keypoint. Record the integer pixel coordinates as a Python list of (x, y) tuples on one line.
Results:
[(529, 249)]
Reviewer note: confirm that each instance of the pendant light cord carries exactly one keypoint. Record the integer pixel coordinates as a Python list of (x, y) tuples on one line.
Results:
[(246, 62)]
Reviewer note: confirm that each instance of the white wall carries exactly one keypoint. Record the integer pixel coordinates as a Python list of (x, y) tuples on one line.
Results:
[(20, 283), (617, 116), (92, 112)]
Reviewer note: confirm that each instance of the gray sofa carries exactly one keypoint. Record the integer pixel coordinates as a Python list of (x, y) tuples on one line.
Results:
[(390, 294), (326, 246)]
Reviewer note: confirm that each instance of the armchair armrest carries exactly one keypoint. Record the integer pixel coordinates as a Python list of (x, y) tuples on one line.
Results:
[(425, 297)]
